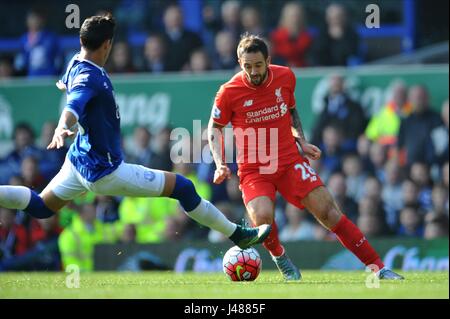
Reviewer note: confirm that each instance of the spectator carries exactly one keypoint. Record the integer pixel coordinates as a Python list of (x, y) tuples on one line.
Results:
[(355, 177), (251, 21), (40, 54), (439, 136), (331, 159), (415, 130), (31, 175), (161, 150), (371, 206), (179, 228), (199, 61), (338, 42), (410, 222), (23, 147), (337, 187), (140, 152), (6, 68), (13, 236), (363, 145), (439, 198), (77, 241), (340, 110), (107, 208), (371, 225), (378, 155), (134, 16), (129, 234), (291, 41), (230, 14), (383, 127), (180, 42), (44, 253), (298, 226), (372, 189), (392, 193), (420, 174), (149, 215), (410, 193), (52, 160), (155, 54), (436, 226), (445, 175), (225, 48), (121, 60), (227, 20)]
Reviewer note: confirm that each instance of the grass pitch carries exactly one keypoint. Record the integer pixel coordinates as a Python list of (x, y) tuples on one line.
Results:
[(315, 284)]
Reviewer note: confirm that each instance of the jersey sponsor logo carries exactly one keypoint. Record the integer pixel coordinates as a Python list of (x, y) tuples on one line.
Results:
[(248, 103), (283, 109), (267, 113), (216, 112)]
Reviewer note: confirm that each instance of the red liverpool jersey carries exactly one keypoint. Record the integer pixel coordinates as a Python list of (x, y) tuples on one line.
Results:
[(260, 117)]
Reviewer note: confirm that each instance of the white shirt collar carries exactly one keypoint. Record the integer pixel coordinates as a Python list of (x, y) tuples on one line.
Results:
[(90, 62)]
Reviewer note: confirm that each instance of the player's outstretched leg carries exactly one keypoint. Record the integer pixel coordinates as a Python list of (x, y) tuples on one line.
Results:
[(260, 210), (205, 213), (324, 208), (23, 198)]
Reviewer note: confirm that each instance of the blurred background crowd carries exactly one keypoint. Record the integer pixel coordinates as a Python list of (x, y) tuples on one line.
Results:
[(389, 171), (200, 35)]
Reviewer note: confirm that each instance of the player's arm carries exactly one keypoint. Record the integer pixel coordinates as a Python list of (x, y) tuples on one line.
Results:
[(310, 150), (81, 92), (216, 142), (66, 121)]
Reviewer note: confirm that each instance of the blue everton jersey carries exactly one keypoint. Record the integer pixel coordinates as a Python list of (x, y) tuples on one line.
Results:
[(96, 151)]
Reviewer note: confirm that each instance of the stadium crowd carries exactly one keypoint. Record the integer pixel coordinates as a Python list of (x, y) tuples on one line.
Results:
[(172, 47), (389, 172)]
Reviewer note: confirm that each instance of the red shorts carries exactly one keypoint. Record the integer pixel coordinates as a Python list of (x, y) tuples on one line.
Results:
[(294, 182)]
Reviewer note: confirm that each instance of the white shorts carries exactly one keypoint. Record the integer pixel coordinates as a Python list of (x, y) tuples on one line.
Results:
[(127, 180)]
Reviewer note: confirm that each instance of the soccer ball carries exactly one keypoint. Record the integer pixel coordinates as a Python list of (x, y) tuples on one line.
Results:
[(242, 264)]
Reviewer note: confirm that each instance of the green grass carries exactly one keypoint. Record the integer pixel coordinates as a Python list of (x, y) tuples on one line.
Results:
[(315, 284)]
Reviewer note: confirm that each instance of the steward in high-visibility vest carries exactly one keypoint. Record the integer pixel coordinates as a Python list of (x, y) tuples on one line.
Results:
[(76, 243), (384, 126)]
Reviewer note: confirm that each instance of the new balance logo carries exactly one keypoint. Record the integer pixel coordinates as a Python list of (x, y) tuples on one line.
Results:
[(248, 103)]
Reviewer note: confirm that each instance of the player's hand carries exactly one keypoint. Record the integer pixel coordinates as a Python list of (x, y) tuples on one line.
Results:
[(311, 151), (59, 137), (222, 172), (60, 85)]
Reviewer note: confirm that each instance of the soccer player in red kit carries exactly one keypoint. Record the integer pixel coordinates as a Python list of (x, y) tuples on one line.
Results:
[(260, 104)]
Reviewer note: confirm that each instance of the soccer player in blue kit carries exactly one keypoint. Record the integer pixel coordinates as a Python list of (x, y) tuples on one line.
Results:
[(94, 161)]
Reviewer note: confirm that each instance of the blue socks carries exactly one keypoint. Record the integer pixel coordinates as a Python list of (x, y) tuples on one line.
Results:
[(184, 191), (37, 208)]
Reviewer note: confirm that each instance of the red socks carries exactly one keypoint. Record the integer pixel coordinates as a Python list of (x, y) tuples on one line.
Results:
[(272, 242), (354, 240)]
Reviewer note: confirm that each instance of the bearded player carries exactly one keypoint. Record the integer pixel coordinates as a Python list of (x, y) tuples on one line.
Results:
[(260, 104)]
